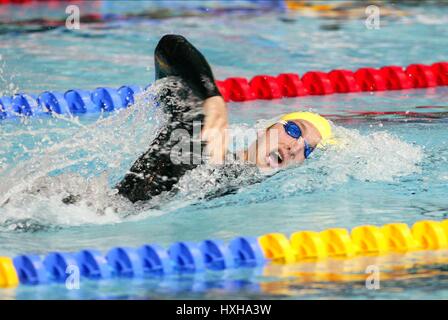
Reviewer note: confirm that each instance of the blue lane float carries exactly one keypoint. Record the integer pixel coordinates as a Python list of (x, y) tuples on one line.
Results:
[(30, 269), (247, 252), (155, 259), (149, 260), (125, 262), (74, 102), (54, 102), (93, 265), (217, 256), (187, 257), (19, 105), (5, 103), (24, 104), (58, 265)]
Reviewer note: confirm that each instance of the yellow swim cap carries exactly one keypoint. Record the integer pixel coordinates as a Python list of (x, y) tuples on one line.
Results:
[(320, 123)]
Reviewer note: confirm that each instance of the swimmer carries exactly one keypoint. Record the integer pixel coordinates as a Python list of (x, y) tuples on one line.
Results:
[(191, 96)]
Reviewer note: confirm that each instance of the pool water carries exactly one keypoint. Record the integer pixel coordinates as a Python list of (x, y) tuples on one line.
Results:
[(390, 167)]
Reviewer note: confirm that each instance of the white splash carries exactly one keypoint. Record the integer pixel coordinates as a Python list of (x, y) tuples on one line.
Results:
[(82, 165)]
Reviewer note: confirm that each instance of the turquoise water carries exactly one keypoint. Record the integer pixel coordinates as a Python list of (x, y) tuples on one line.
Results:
[(388, 168)]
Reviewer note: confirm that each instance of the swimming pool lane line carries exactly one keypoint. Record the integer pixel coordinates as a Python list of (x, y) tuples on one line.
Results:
[(152, 260), (237, 89)]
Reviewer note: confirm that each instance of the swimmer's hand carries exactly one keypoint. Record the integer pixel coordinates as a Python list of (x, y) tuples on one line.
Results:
[(214, 131)]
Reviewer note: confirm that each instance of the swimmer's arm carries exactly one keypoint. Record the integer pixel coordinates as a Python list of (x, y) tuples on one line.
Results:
[(214, 131), (175, 56)]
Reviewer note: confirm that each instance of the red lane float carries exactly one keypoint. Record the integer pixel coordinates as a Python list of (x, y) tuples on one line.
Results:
[(396, 78), (440, 70), (422, 76), (266, 87), (317, 83), (239, 89), (336, 81), (15, 1), (291, 85), (344, 81), (370, 79), (26, 2)]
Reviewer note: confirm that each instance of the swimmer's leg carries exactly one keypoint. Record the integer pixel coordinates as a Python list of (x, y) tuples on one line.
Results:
[(154, 172)]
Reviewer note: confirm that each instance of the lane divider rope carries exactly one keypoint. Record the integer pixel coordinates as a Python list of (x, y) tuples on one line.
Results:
[(151, 260), (237, 89), (27, 2)]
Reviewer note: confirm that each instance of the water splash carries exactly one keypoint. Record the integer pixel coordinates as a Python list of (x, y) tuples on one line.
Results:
[(378, 156), (6, 80), (84, 164)]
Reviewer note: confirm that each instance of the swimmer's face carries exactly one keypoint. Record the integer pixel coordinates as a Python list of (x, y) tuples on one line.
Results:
[(274, 148)]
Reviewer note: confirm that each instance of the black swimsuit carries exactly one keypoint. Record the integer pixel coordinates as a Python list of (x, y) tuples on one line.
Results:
[(154, 172)]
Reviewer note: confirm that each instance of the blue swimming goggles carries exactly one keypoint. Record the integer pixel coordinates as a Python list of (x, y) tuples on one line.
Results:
[(293, 130)]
